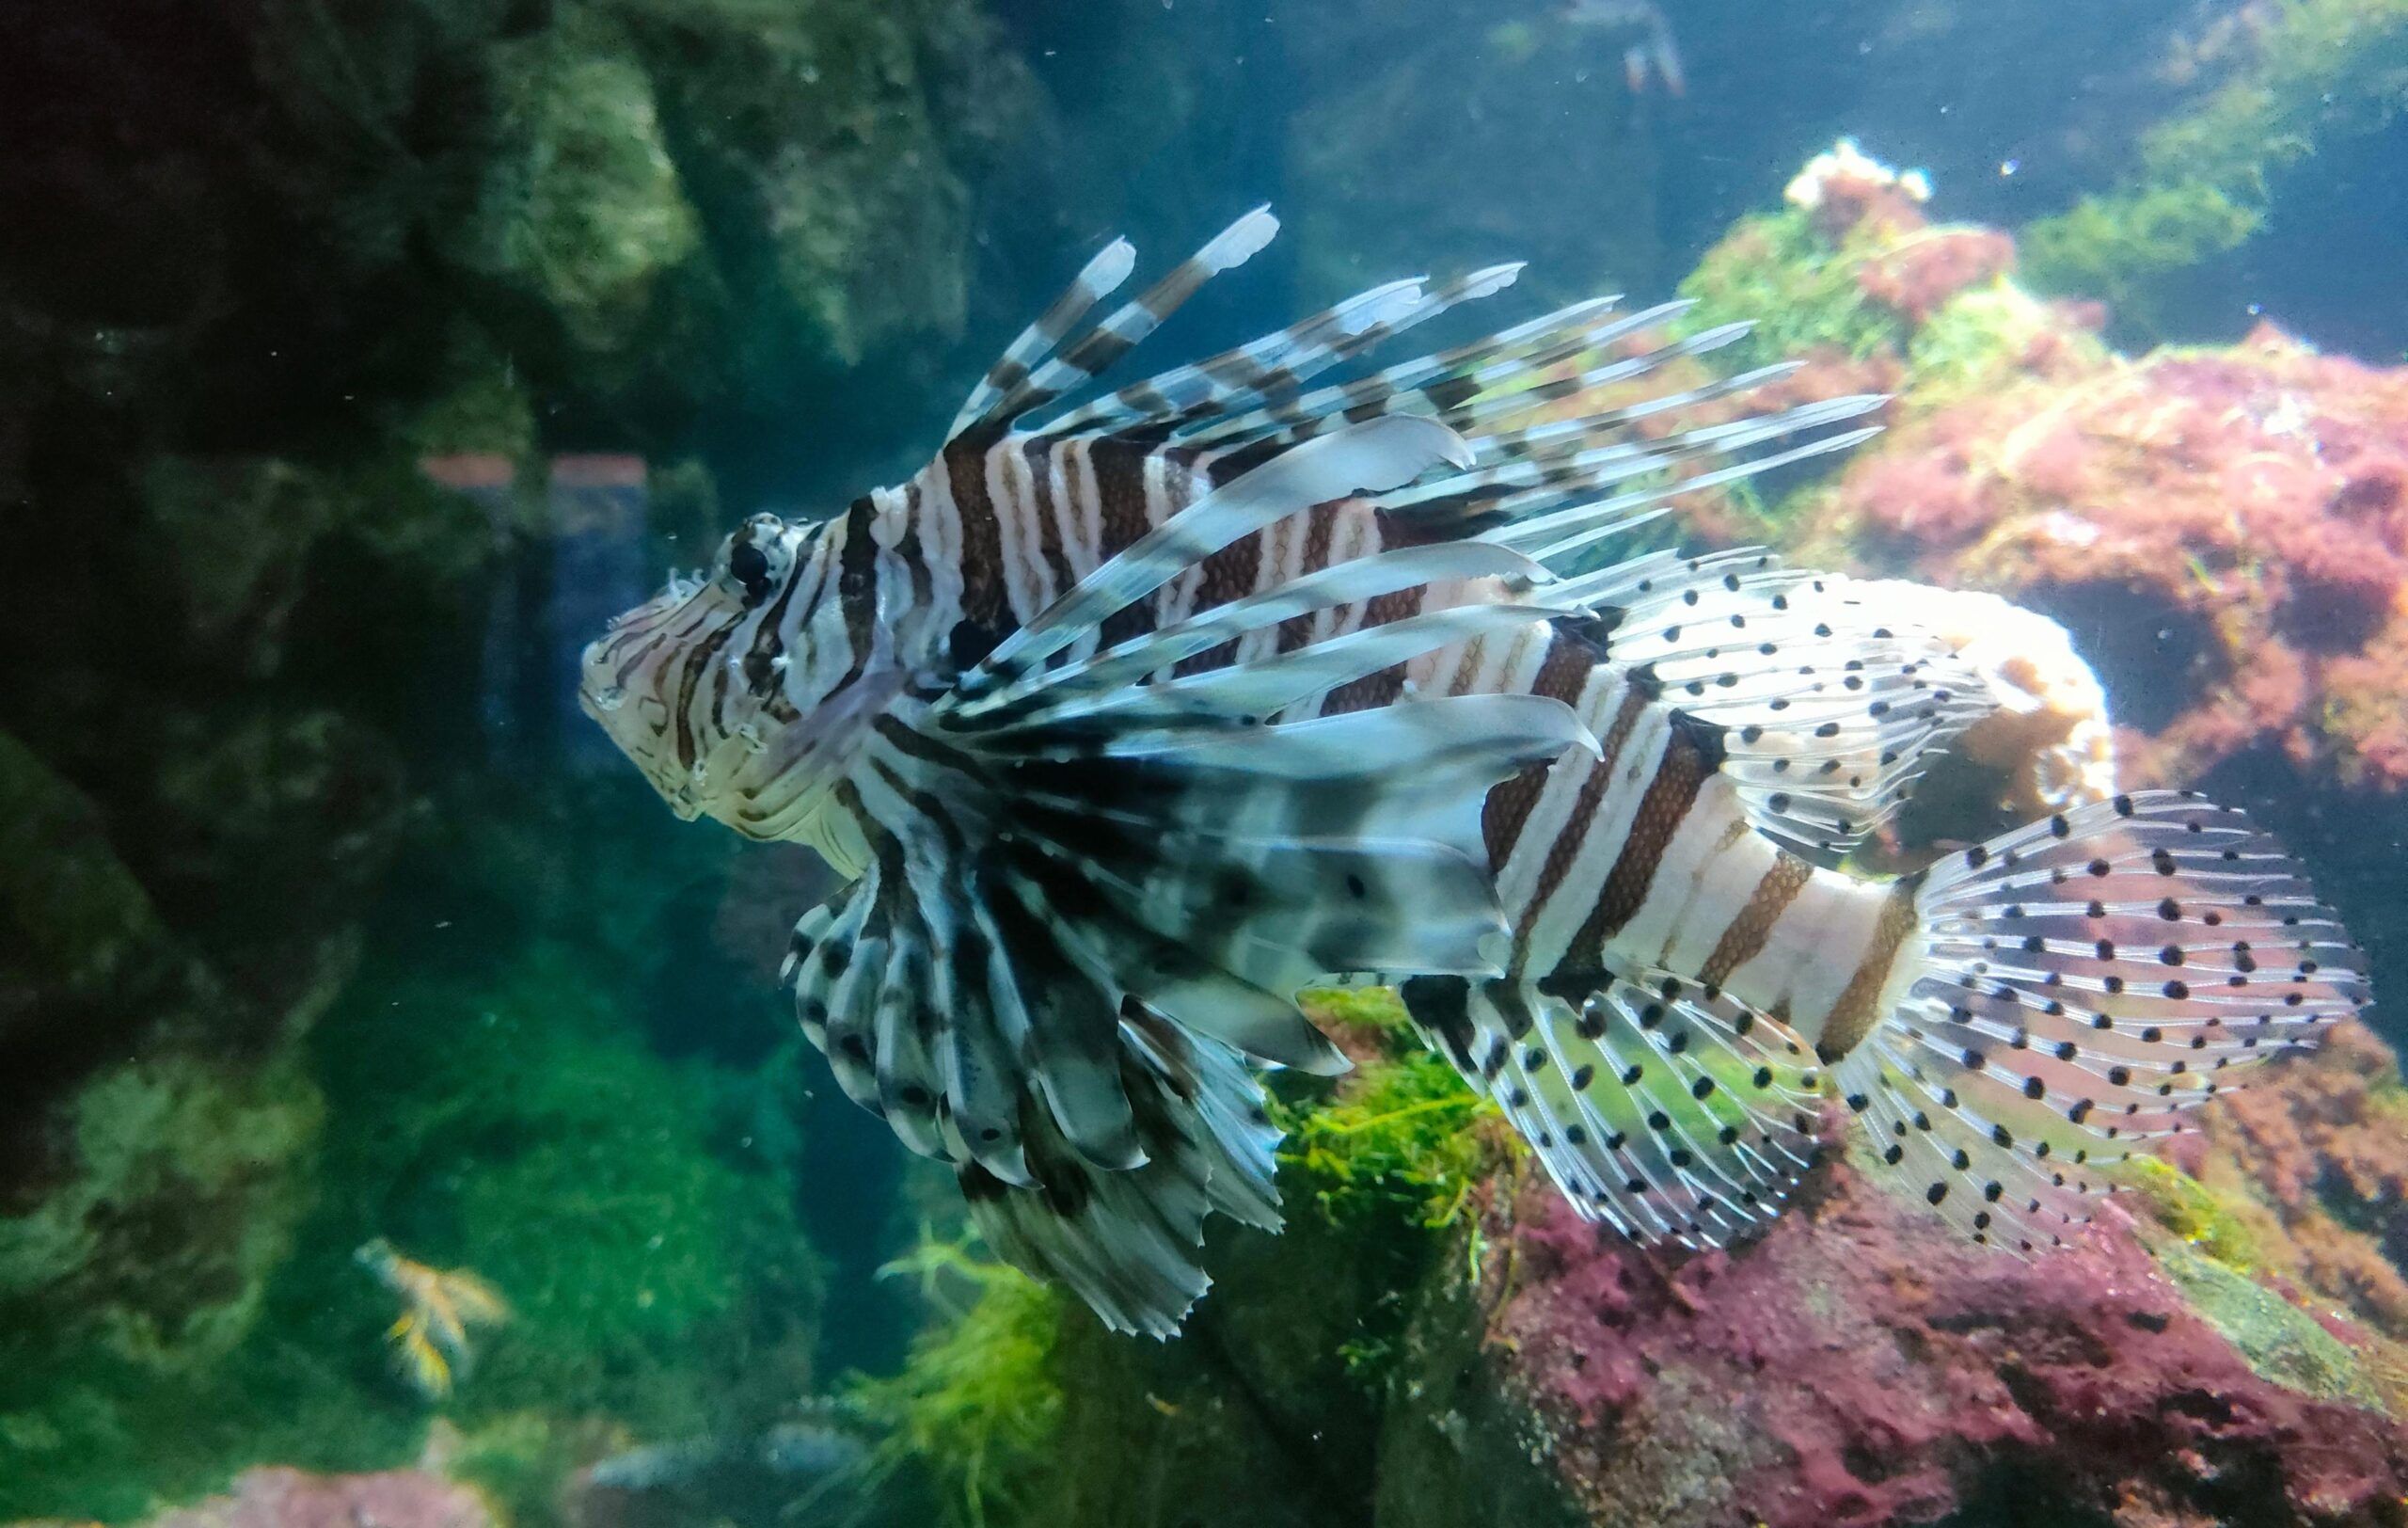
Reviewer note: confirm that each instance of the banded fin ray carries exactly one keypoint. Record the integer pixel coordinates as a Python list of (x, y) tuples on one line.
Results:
[(1557, 521), (1353, 582), (1264, 372), (2088, 981), (1095, 352), (1125, 1242), (1538, 495), (1667, 1109), (1100, 277)]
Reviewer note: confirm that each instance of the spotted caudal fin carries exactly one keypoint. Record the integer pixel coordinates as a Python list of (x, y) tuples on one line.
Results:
[(2074, 988)]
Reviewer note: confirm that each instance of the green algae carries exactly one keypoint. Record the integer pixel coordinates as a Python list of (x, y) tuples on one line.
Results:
[(584, 210), (508, 1114), (1979, 339), (653, 1266), (1395, 1151), (2120, 246), (80, 926), (2280, 1342), (126, 1294), (2214, 1257), (2194, 1212), (978, 1405), (2205, 179), (1388, 1165), (1798, 287)]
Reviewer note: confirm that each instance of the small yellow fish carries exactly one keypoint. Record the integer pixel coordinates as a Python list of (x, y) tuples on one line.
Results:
[(438, 1307)]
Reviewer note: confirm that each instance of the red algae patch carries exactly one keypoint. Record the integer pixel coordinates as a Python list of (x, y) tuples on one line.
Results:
[(2255, 496), (1858, 1367)]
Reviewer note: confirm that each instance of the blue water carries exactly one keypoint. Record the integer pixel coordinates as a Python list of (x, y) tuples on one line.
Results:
[(358, 362)]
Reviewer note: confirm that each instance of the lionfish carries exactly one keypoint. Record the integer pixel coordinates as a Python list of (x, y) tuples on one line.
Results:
[(1128, 720)]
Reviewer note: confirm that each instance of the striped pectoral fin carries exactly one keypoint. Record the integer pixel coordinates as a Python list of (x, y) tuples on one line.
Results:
[(1280, 855), (2079, 985), (1128, 1242), (1661, 1106), (1071, 946)]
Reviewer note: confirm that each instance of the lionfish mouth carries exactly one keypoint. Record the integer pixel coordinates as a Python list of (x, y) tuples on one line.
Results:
[(631, 681), (660, 685)]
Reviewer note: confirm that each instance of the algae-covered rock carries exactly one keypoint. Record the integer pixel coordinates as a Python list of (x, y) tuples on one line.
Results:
[(1438, 1339), (172, 1197), (82, 929), (179, 1195), (2215, 172), (582, 210), (281, 1498), (643, 1235)]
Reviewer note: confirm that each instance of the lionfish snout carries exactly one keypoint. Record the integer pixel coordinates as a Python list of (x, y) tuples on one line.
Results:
[(632, 681), (694, 685)]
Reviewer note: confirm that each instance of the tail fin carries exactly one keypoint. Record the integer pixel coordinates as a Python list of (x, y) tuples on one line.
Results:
[(2075, 986)]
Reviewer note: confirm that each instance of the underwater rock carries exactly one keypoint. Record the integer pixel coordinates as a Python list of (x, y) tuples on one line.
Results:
[(2251, 501), (2308, 1182), (143, 1202), (581, 208), (1857, 1366), (83, 931), (1437, 1339), (171, 1189), (276, 1497), (2223, 529)]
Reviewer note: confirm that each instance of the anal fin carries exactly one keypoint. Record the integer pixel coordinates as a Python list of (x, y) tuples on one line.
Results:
[(1665, 1108)]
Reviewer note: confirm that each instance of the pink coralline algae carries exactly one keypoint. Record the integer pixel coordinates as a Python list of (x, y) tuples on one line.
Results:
[(1858, 1367), (284, 1497), (2254, 499), (1918, 276)]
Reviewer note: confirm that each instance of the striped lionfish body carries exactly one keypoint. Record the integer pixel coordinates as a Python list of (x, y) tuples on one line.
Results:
[(1128, 724)]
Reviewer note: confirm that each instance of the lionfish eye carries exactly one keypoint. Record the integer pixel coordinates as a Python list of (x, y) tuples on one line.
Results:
[(749, 566)]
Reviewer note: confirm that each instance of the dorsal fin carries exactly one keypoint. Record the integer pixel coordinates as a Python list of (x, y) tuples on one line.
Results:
[(1087, 357), (1102, 277)]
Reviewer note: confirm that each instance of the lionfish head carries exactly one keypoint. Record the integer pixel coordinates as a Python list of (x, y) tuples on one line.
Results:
[(736, 689)]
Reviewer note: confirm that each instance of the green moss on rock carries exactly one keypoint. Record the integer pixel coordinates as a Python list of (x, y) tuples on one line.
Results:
[(2322, 70), (81, 928), (140, 1271), (1781, 272), (2281, 1342), (654, 1267), (584, 212)]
